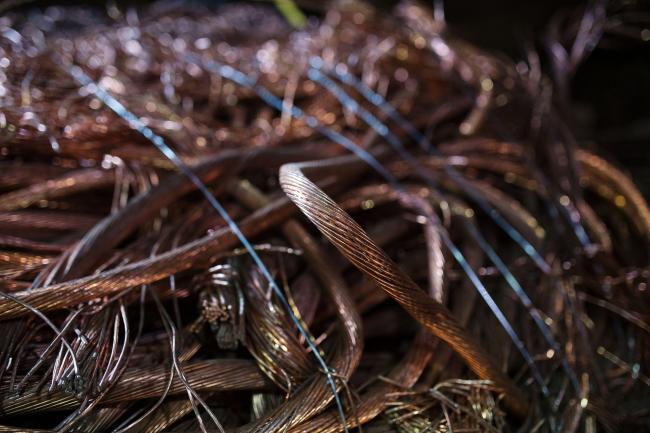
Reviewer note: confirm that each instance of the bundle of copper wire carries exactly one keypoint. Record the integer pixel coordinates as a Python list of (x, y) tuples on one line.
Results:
[(212, 220)]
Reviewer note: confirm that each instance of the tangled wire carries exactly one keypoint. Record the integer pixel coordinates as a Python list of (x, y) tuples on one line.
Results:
[(212, 221)]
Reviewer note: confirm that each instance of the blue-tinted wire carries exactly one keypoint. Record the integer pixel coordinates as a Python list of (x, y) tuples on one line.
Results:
[(420, 138), (384, 131), (244, 80), (135, 123), (408, 127)]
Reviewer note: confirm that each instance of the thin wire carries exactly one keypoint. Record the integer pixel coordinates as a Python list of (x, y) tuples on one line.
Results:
[(191, 394), (134, 122), (135, 419), (49, 323)]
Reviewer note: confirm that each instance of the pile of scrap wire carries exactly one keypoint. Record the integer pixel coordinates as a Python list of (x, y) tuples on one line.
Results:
[(214, 220)]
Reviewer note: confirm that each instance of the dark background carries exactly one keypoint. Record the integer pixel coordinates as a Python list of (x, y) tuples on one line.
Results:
[(611, 90)]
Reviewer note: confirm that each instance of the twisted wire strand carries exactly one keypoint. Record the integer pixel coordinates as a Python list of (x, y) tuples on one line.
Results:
[(406, 373), (356, 246), (142, 383)]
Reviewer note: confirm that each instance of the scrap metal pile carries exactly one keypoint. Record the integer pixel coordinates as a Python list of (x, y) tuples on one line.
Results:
[(213, 221)]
